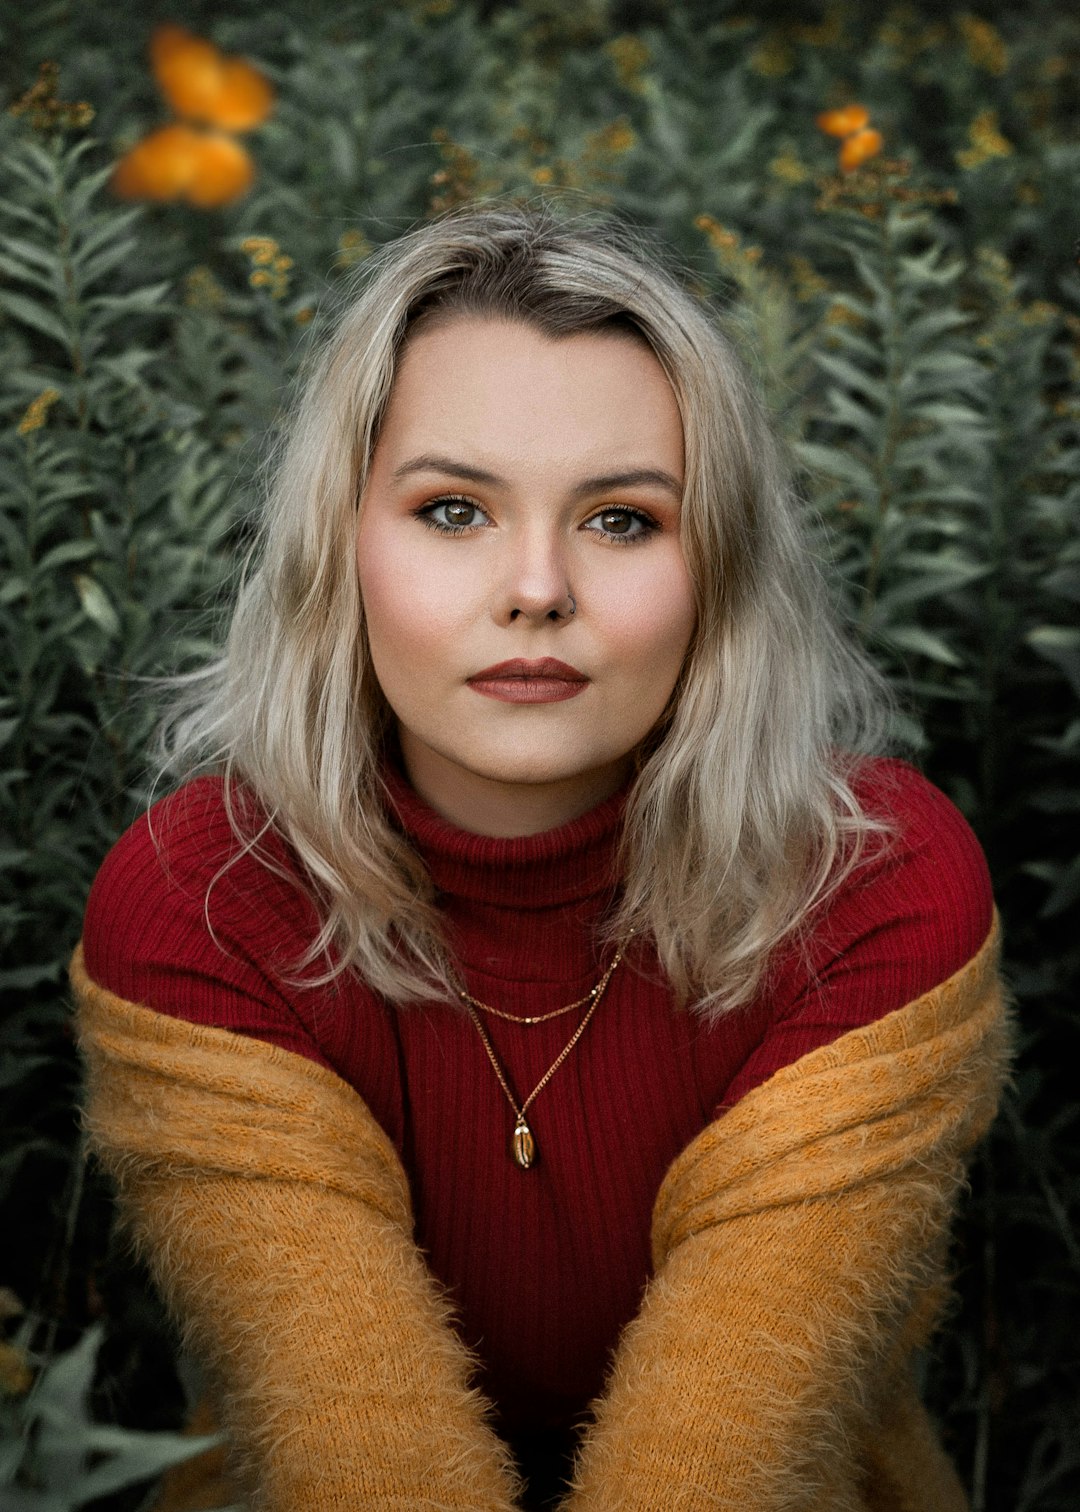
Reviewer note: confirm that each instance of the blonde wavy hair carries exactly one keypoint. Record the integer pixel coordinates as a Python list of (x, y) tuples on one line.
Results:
[(741, 817)]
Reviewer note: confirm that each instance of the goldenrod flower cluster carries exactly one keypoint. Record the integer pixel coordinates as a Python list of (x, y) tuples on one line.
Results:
[(44, 108), (37, 411), (986, 141), (985, 45), (630, 56), (270, 266)]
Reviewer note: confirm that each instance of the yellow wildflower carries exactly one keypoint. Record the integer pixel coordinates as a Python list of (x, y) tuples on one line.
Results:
[(985, 45), (720, 238), (37, 411), (840, 313), (353, 247), (807, 280), (614, 139), (202, 290), (271, 265), (986, 141), (44, 108), (630, 55), (774, 58), (261, 249), (461, 180), (1039, 312), (789, 168), (16, 1377)]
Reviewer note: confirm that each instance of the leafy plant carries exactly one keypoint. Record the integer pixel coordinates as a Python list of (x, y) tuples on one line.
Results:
[(914, 327), (54, 1457)]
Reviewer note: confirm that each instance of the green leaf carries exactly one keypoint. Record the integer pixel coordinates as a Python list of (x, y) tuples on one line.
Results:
[(43, 258), (67, 551), (868, 384), (1059, 644), (86, 190), (839, 463), (922, 642), (11, 267), (138, 302), (96, 604), (28, 312)]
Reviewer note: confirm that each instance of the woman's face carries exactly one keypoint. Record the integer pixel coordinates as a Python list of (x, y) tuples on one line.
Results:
[(511, 471)]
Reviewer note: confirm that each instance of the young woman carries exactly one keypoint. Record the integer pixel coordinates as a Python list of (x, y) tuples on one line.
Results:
[(539, 1039)]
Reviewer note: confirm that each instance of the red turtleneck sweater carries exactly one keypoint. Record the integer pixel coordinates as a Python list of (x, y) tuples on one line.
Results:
[(545, 1265)]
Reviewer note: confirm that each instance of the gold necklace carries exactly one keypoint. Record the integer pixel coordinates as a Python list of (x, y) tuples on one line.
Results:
[(540, 1018), (523, 1146)]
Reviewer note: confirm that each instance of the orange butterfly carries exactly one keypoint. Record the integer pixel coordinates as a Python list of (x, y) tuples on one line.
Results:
[(205, 168), (861, 140)]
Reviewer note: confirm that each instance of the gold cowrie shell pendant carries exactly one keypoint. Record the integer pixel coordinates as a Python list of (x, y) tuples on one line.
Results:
[(523, 1145)]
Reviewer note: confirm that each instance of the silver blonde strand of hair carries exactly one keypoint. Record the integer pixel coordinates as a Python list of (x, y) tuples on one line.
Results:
[(741, 818)]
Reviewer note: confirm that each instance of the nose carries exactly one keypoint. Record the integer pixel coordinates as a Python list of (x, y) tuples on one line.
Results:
[(535, 585)]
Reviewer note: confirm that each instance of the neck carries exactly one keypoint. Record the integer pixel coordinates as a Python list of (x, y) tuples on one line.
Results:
[(486, 806)]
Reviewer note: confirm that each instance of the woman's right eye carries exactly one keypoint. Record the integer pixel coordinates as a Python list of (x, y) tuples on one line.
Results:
[(460, 515)]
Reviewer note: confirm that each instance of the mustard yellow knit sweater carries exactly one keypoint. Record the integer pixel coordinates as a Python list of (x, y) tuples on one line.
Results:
[(799, 1247)]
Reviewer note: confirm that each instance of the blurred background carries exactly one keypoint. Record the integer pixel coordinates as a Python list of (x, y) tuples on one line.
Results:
[(882, 203)]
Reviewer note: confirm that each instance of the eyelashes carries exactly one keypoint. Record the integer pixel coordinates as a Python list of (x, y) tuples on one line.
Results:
[(456, 502), (616, 537)]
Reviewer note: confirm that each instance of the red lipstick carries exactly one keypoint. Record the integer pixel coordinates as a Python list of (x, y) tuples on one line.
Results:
[(546, 680)]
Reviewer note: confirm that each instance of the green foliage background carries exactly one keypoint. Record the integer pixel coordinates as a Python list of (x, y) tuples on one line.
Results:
[(916, 330)]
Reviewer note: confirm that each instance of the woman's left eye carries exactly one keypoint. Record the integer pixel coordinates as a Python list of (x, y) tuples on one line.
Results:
[(617, 525)]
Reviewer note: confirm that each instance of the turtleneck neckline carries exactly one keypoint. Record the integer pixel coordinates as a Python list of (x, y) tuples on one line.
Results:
[(573, 861)]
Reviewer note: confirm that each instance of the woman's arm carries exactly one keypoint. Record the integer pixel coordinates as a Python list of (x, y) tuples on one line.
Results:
[(799, 1245), (275, 1216)]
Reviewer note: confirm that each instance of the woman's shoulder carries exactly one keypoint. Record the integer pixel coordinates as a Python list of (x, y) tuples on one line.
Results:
[(919, 904), (187, 899), (200, 911), (182, 846), (931, 863), (916, 909), (895, 789)]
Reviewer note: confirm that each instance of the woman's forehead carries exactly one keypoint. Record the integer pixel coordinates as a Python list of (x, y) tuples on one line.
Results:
[(486, 383)]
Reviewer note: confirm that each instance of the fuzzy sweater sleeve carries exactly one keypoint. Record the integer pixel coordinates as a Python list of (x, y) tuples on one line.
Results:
[(799, 1247), (275, 1216)]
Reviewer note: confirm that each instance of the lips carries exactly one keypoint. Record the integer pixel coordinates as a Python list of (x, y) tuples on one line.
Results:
[(532, 671), (543, 681)]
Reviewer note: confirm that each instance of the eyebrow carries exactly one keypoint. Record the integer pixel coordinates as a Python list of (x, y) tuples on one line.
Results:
[(599, 484)]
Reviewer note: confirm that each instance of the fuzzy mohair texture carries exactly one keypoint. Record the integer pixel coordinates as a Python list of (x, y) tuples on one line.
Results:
[(799, 1248), (275, 1217)]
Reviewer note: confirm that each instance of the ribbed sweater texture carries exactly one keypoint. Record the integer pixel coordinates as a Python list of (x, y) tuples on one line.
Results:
[(544, 1267)]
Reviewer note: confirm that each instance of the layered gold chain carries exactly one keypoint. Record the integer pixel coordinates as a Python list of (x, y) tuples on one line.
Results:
[(523, 1145)]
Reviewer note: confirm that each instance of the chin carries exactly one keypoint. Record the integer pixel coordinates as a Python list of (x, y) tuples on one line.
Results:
[(535, 768), (535, 773)]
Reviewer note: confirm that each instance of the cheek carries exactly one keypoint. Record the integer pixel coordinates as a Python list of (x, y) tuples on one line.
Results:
[(404, 603), (651, 621)]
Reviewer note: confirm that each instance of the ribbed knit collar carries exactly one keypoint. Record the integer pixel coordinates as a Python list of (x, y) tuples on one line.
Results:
[(557, 866)]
